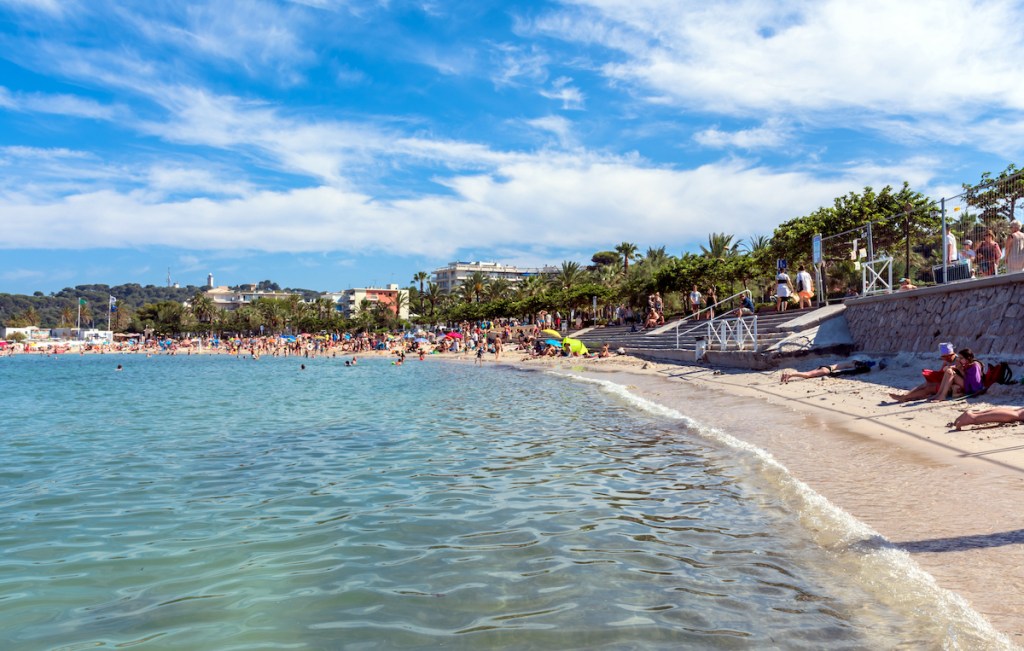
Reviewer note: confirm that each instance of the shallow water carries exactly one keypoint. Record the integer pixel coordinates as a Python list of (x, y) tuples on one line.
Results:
[(218, 503)]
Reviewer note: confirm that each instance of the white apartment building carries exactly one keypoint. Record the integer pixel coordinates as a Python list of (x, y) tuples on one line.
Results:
[(449, 278), (229, 299)]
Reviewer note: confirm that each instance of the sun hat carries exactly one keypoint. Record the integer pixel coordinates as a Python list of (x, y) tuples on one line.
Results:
[(946, 349)]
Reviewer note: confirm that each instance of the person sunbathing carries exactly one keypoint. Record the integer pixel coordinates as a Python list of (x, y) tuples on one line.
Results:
[(962, 378), (853, 367), (993, 415), (932, 378)]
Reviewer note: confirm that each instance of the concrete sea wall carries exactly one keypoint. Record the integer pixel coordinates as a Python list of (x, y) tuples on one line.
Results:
[(985, 315)]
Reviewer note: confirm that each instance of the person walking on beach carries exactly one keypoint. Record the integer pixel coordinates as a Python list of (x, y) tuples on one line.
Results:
[(804, 287), (783, 290)]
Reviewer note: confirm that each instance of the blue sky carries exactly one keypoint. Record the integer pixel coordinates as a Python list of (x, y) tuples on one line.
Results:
[(328, 144)]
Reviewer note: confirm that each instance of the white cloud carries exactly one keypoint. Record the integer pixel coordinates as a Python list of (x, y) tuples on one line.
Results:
[(582, 200), (769, 135), (746, 57), (69, 105), (570, 96), (559, 126), (515, 64), (54, 7)]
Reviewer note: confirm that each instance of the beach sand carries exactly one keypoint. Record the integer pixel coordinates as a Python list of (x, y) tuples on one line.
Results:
[(952, 499)]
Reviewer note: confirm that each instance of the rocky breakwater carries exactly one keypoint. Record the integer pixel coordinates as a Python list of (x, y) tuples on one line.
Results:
[(986, 315)]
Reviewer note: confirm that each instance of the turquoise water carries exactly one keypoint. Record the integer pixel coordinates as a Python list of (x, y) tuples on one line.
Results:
[(223, 503)]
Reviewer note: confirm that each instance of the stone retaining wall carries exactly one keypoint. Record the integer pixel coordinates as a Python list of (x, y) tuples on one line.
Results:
[(985, 315)]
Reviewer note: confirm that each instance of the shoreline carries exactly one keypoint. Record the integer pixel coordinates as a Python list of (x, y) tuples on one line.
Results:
[(948, 498)]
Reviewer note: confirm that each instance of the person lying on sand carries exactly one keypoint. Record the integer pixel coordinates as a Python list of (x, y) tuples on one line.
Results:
[(993, 415), (853, 367)]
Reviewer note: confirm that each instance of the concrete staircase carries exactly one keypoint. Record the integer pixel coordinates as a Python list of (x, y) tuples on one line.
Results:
[(661, 343)]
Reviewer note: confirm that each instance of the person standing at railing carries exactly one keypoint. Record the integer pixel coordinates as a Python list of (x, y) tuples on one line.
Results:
[(712, 300), (951, 253), (1014, 248), (988, 255)]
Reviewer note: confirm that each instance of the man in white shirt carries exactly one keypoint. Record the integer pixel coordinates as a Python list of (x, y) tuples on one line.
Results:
[(951, 254)]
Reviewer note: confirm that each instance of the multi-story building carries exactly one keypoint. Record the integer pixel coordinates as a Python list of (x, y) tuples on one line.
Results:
[(230, 299), (449, 278), (349, 300)]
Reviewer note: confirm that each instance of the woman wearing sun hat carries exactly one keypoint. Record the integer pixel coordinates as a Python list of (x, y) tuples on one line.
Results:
[(932, 378)]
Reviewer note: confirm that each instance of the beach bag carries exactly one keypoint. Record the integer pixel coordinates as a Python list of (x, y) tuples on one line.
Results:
[(1000, 373)]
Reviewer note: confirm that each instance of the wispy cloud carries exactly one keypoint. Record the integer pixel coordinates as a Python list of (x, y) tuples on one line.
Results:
[(746, 57), (773, 133), (562, 90), (70, 105)]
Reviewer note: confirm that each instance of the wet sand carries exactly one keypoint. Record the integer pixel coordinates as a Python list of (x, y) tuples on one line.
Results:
[(951, 499)]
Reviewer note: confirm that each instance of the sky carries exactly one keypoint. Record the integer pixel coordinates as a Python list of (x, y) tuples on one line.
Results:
[(329, 144)]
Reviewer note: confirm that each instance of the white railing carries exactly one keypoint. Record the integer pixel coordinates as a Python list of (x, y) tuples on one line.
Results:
[(696, 317), (871, 279), (736, 331)]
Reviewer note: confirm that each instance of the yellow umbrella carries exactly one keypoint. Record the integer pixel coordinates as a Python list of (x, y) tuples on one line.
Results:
[(551, 333), (575, 346)]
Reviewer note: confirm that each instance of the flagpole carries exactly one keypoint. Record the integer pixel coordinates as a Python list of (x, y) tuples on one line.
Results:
[(79, 328), (110, 305)]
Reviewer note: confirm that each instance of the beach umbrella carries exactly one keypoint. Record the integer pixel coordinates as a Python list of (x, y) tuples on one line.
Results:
[(575, 346), (552, 342), (454, 335), (551, 333)]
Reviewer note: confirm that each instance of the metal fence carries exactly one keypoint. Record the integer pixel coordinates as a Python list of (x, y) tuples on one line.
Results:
[(970, 235), (980, 224)]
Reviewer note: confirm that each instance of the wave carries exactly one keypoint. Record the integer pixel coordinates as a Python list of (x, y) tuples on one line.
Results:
[(887, 572)]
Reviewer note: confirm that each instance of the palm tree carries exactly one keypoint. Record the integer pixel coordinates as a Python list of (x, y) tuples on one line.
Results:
[(401, 301), (720, 246), (476, 283), (609, 276), (432, 295), (569, 275), (757, 244), (203, 307), (531, 286), (627, 250), (420, 277), (67, 316), (498, 289)]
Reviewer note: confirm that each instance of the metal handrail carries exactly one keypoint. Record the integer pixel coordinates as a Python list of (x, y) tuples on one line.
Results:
[(736, 329), (696, 315)]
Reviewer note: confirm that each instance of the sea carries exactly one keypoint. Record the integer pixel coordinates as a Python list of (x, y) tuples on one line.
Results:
[(226, 503)]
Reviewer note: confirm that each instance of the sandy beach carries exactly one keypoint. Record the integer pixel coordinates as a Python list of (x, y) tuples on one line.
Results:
[(951, 499)]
